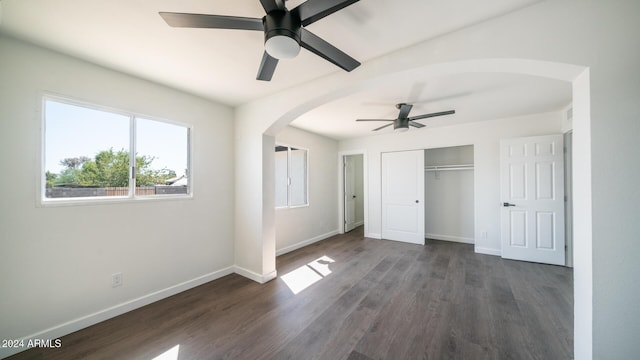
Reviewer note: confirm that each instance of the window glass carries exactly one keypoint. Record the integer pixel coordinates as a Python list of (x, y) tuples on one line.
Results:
[(161, 158), (88, 154), (86, 151)]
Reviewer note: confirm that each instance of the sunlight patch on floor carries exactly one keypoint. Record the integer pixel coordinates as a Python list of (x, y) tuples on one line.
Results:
[(307, 275), (171, 354)]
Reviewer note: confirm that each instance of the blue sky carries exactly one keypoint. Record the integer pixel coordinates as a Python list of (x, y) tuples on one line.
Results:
[(73, 131)]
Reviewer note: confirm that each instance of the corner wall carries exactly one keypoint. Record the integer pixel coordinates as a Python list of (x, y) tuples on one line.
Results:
[(56, 261)]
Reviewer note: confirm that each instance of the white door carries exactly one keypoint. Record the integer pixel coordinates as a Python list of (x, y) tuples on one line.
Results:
[(532, 192), (349, 194), (403, 196)]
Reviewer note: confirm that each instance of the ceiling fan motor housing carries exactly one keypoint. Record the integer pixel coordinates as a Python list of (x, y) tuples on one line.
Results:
[(280, 27), (401, 124)]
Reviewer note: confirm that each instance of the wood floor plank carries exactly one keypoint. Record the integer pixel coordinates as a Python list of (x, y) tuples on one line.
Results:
[(374, 299)]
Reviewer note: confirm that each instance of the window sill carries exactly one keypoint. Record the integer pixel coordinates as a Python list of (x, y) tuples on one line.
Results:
[(109, 200), (292, 207)]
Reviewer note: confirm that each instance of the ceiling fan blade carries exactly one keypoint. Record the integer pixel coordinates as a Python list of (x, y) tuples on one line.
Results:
[(211, 21), (382, 127), (404, 111), (311, 11), (432, 115), (416, 124), (316, 45), (270, 5), (267, 67), (375, 120)]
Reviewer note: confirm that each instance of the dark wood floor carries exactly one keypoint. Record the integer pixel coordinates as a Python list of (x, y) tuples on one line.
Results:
[(382, 300)]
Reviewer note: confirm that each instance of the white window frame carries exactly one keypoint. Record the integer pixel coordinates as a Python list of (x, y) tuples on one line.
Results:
[(131, 197), (306, 176)]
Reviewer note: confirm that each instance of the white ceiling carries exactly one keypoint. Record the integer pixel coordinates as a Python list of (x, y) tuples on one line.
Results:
[(221, 65), (474, 97)]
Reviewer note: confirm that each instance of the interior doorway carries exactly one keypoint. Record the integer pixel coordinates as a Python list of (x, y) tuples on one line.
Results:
[(353, 194)]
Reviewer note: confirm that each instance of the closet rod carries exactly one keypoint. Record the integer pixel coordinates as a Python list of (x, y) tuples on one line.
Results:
[(449, 167)]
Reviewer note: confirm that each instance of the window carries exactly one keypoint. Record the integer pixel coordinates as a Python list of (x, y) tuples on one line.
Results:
[(95, 153), (291, 176)]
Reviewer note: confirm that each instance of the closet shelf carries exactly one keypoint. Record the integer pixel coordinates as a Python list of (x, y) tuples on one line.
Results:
[(448, 167)]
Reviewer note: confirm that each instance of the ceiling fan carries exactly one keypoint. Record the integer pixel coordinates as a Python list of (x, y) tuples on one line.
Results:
[(284, 31), (403, 121)]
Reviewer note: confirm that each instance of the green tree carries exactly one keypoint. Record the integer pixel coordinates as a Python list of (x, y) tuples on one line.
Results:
[(147, 176), (109, 168), (70, 174), (67, 176), (74, 163), (51, 178)]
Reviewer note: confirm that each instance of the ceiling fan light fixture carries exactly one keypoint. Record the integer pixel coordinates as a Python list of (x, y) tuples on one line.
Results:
[(401, 125), (282, 47), (282, 34)]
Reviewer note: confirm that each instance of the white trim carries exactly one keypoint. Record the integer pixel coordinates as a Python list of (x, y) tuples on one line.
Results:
[(365, 186), (488, 251), (583, 283), (373, 235), (459, 239), (568, 205), (359, 223), (81, 201), (255, 276), (304, 243), (111, 312)]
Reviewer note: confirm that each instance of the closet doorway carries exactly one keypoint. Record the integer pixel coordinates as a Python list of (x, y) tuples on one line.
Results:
[(449, 194)]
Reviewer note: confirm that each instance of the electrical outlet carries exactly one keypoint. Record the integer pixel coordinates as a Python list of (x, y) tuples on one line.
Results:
[(483, 235), (116, 279)]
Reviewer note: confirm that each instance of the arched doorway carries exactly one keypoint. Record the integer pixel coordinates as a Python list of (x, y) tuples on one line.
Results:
[(577, 76)]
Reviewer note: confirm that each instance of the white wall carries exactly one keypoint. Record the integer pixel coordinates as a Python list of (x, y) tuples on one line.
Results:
[(485, 137), (56, 261), (300, 226)]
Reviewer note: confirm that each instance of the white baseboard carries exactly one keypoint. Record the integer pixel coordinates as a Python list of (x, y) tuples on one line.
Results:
[(304, 243), (459, 239), (359, 223), (255, 276), (488, 251), (373, 235), (108, 313)]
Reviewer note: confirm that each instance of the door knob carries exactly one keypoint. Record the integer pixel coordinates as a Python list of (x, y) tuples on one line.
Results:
[(508, 204), (354, 196), (417, 201)]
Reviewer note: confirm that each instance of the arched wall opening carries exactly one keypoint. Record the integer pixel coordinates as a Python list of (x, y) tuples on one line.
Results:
[(577, 76)]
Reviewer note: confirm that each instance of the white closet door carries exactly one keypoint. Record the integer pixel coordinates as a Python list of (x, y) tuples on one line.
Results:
[(403, 196), (532, 190)]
